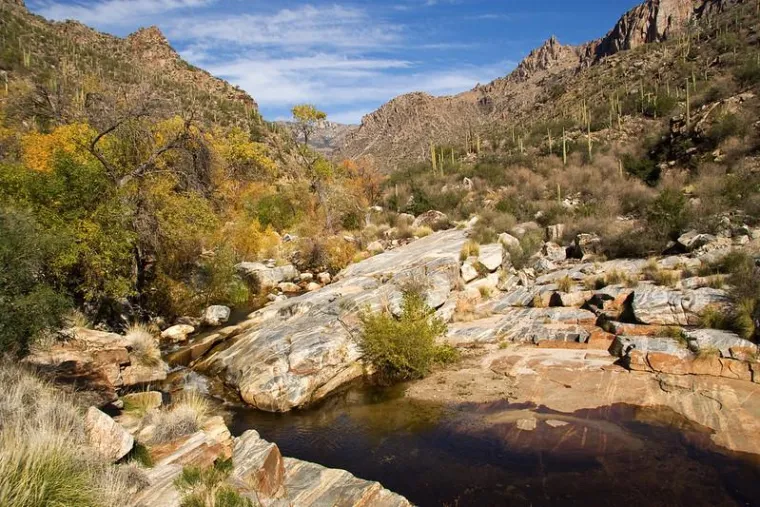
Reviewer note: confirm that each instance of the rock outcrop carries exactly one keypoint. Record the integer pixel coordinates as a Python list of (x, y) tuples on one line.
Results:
[(96, 360), (298, 351)]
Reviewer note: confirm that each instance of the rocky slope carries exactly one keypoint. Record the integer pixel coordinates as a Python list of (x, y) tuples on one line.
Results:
[(403, 128), (67, 61)]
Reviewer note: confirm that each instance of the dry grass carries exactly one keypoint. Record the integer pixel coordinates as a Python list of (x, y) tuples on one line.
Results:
[(44, 455), (423, 232), (469, 249), (565, 284), (465, 311), (144, 345), (184, 417), (664, 277)]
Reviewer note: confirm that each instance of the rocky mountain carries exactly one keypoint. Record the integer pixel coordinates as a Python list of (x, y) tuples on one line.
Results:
[(404, 127), (67, 62)]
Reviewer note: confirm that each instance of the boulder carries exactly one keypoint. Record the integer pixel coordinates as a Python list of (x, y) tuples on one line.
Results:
[(266, 277), (312, 286), (306, 277), (215, 315), (469, 272), (718, 340), (510, 242), (324, 278), (375, 247), (586, 245), (289, 288), (404, 220), (491, 257), (657, 305), (433, 219), (137, 374), (555, 232), (106, 436), (258, 464), (178, 333), (554, 252), (693, 240)]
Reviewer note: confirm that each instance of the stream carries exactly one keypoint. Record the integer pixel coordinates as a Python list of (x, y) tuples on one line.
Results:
[(501, 453)]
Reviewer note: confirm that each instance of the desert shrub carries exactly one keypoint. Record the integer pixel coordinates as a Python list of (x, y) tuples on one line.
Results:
[(144, 346), (404, 348), (183, 417), (714, 317), (530, 244), (725, 126), (276, 210), (748, 74), (645, 169), (660, 106), (744, 310), (470, 248), (423, 232), (565, 284), (633, 243), (669, 213), (206, 487), (331, 254), (490, 224), (653, 272)]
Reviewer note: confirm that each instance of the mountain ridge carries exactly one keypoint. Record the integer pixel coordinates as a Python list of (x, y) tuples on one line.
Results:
[(405, 126)]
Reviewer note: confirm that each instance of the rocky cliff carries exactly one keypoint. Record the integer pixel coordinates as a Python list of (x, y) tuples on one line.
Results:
[(404, 127)]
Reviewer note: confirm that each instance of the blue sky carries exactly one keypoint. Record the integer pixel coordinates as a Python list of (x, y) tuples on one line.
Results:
[(348, 58)]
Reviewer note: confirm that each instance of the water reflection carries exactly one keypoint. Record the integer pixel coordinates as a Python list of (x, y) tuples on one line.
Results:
[(500, 454)]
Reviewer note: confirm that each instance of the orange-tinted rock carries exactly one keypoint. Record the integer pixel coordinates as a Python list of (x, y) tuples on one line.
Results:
[(736, 369), (600, 340), (707, 364), (669, 363), (259, 464)]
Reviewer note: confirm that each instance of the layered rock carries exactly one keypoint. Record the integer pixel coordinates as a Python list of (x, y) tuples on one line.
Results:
[(98, 361), (298, 351)]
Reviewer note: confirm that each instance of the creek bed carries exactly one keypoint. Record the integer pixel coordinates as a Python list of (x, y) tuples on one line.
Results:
[(502, 454)]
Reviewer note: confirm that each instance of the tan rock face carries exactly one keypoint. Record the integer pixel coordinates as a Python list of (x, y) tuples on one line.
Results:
[(259, 464), (107, 436)]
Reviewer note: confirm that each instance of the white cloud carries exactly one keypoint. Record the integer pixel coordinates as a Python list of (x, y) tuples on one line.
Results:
[(304, 27), (327, 81), (112, 13)]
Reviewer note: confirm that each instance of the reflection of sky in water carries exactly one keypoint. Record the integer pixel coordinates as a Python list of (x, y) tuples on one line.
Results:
[(478, 455)]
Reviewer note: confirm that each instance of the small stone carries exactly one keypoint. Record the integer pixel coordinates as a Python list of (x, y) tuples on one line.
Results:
[(289, 287), (306, 277), (469, 273), (178, 333), (526, 424), (216, 315), (324, 278), (312, 286), (376, 247)]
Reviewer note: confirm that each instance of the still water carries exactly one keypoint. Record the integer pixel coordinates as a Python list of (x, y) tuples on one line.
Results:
[(501, 454)]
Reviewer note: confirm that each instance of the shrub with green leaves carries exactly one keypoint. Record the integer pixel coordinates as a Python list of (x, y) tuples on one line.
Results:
[(404, 348), (206, 487), (29, 303)]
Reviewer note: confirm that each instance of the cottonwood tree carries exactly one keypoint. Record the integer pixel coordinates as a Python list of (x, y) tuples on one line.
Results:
[(306, 117), (134, 147)]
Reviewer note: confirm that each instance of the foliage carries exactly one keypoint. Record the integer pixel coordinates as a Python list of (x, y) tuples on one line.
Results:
[(404, 348), (643, 168), (29, 302), (669, 213), (471, 248), (205, 487)]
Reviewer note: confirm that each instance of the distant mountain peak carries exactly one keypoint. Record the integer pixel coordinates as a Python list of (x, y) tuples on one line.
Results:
[(550, 54)]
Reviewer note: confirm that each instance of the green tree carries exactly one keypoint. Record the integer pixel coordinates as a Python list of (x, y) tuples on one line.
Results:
[(29, 302)]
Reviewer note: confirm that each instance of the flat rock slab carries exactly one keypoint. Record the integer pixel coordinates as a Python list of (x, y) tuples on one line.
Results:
[(295, 352), (657, 305), (525, 325), (722, 341)]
